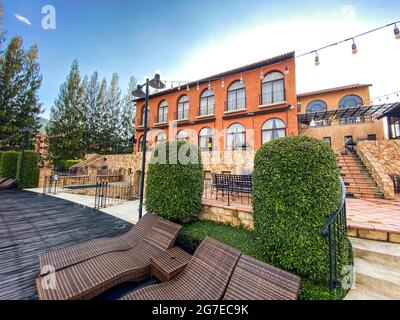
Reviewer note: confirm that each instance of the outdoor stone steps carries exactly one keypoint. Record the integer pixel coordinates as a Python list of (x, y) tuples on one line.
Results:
[(377, 272), (377, 252), (363, 189), (366, 195), (382, 278)]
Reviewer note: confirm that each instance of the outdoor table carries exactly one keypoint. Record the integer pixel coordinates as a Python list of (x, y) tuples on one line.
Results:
[(168, 264)]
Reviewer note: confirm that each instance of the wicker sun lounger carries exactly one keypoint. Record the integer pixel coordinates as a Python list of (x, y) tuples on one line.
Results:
[(218, 271), (2, 180), (91, 277), (65, 257), (204, 278), (8, 184), (256, 280)]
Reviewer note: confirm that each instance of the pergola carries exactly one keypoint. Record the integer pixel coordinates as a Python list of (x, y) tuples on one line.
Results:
[(377, 111)]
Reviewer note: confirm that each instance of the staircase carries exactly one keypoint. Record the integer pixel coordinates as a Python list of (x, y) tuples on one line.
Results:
[(356, 177), (377, 272)]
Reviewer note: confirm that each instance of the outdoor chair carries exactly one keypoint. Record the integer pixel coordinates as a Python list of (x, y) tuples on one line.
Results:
[(91, 277), (8, 184), (65, 257), (217, 271), (2, 180), (204, 278)]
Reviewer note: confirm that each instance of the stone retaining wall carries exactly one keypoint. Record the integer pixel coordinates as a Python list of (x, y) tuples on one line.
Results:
[(381, 159)]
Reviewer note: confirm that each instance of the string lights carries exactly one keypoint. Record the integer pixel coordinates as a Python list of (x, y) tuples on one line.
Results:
[(354, 51)]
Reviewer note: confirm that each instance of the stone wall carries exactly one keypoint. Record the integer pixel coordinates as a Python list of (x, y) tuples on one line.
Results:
[(381, 159), (233, 215)]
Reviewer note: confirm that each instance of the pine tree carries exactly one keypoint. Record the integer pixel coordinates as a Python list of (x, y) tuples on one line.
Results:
[(127, 118), (65, 129), (113, 109), (99, 134), (91, 126), (20, 81)]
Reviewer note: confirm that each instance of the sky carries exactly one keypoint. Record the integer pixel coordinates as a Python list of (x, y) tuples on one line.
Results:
[(191, 39)]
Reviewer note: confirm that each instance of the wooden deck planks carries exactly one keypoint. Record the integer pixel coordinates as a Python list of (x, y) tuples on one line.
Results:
[(31, 224)]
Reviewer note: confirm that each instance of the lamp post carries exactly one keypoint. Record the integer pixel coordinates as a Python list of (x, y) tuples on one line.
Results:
[(155, 83)]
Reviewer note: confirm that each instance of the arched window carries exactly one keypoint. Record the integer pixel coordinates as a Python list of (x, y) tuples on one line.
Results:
[(207, 102), (272, 129), (148, 115), (182, 136), (273, 88), (140, 147), (236, 96), (163, 112), (206, 139), (160, 138), (350, 101), (236, 137), (183, 108), (316, 106)]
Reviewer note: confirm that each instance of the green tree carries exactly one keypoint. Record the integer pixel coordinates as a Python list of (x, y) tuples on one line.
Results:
[(127, 118), (90, 101), (20, 81), (66, 126), (113, 106)]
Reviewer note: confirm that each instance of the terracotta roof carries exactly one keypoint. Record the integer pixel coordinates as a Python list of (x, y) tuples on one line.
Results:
[(351, 86), (245, 68)]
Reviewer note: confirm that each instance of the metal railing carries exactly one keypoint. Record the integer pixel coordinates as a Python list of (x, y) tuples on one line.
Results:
[(206, 110), (355, 120), (396, 182), (235, 104), (228, 188), (334, 231), (272, 97), (108, 194)]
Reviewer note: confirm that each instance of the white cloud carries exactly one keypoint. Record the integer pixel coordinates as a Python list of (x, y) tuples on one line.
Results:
[(22, 19), (376, 61)]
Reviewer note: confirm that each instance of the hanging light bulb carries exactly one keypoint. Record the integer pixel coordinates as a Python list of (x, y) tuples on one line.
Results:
[(286, 70), (261, 74), (354, 48), (316, 59), (396, 32), (241, 78), (179, 86), (198, 87), (187, 87), (209, 85), (172, 84), (222, 83)]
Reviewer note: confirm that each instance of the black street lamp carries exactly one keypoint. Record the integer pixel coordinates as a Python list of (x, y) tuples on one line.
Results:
[(25, 131), (155, 83)]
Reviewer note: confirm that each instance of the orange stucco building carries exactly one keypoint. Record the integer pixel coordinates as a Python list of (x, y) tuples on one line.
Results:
[(347, 129), (234, 110)]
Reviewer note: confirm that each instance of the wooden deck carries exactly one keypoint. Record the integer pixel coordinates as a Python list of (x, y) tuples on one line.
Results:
[(32, 223)]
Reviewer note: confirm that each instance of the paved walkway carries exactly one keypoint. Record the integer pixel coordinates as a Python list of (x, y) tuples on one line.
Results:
[(374, 215), (128, 211)]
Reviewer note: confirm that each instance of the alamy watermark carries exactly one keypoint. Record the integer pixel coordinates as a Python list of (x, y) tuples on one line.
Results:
[(49, 20)]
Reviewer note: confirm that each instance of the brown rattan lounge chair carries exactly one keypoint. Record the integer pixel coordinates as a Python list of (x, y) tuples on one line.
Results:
[(8, 184), (2, 180), (91, 277), (204, 278), (256, 280), (65, 257), (218, 271)]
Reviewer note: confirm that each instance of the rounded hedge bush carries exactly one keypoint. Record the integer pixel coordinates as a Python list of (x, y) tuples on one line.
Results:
[(174, 184), (30, 172), (9, 164), (1, 154), (296, 188), (70, 163)]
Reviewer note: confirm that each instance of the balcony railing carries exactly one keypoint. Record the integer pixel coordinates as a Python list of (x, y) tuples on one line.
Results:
[(355, 120), (206, 110), (162, 119), (273, 97), (235, 105), (181, 115)]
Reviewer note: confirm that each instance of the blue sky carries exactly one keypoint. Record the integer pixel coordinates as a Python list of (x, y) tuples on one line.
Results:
[(190, 39)]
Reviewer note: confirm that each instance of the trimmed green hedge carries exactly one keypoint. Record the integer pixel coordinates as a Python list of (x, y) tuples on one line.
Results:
[(70, 163), (296, 188), (30, 172), (174, 185), (1, 154), (9, 164)]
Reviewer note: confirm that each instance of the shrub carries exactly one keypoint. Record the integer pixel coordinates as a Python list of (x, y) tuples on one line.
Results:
[(30, 171), (1, 153), (296, 188), (70, 163), (193, 234), (9, 164), (175, 181)]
